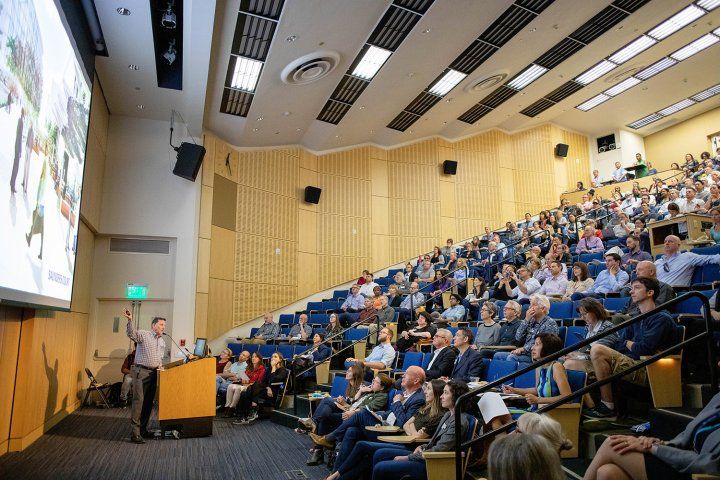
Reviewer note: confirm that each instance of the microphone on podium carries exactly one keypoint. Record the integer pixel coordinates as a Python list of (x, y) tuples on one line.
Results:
[(187, 357)]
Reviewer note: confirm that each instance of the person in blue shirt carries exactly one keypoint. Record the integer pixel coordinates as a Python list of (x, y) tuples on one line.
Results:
[(647, 337), (612, 279), (456, 312)]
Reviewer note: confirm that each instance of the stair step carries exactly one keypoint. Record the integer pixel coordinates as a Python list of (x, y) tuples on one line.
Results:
[(666, 423)]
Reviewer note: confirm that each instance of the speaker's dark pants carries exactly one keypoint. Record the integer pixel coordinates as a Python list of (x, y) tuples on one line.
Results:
[(144, 385)]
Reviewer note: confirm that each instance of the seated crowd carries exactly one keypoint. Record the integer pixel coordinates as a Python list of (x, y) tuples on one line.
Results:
[(491, 299)]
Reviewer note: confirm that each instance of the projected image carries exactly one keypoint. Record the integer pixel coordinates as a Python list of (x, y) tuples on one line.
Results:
[(44, 111)]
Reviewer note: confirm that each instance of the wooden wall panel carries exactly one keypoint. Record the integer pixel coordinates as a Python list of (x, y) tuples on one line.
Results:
[(256, 168), (577, 163), (9, 341), (222, 254), (220, 307)]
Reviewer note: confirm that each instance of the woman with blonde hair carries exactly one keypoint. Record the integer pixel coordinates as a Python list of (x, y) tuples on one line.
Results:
[(545, 426), (523, 457)]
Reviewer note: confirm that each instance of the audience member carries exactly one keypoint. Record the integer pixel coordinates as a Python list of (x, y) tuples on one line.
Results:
[(480, 294), (455, 312), (555, 286), (580, 282), (526, 286), (648, 337), (353, 303), (468, 363), (437, 256), (394, 297), (401, 283), (409, 305), (424, 330), (440, 284), (268, 331), (223, 360), (232, 374), (522, 457), (619, 174), (264, 390), (612, 279), (536, 322), (254, 373), (382, 356), (366, 289), (301, 331), (488, 332), (676, 268), (634, 255), (126, 370), (589, 243), (503, 288), (443, 357), (646, 269)]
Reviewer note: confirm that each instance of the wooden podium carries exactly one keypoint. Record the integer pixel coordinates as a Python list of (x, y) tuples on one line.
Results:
[(187, 398), (696, 225)]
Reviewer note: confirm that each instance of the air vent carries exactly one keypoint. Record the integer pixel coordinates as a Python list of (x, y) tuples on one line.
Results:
[(139, 245), (403, 121), (393, 28), (537, 108), (236, 102), (422, 103), (498, 96), (333, 112), (264, 8), (599, 24), (630, 5), (565, 49), (252, 37), (486, 82), (475, 114), (507, 25), (417, 6), (564, 91), (309, 68), (473, 56), (349, 89)]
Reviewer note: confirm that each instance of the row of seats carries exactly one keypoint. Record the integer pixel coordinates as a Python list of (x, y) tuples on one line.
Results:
[(266, 351)]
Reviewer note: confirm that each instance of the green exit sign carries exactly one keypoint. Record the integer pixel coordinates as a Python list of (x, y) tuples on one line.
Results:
[(136, 291)]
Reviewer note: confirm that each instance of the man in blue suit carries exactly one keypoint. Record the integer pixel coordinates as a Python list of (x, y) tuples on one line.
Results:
[(468, 363), (403, 407)]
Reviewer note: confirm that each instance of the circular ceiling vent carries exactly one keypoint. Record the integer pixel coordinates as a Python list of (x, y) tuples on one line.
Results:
[(483, 83), (310, 68), (623, 74)]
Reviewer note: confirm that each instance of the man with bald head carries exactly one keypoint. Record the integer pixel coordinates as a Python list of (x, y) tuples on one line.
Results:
[(644, 269), (404, 406), (676, 268)]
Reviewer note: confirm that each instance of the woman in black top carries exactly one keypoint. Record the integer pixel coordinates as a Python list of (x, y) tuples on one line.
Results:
[(265, 391), (424, 330)]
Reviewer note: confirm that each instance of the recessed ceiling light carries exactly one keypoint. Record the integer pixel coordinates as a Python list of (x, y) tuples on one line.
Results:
[(655, 68), (246, 74), (593, 102), (709, 5), (291, 38), (337, 136), (697, 46), (445, 123), (533, 29), (676, 22), (372, 131), (632, 49), (676, 107), (705, 94), (255, 129), (426, 31), (653, 117), (298, 129), (137, 88), (259, 119), (132, 66), (123, 11), (411, 74), (140, 106), (529, 75), (410, 131), (362, 107), (286, 114), (277, 133), (595, 72), (371, 62), (447, 82)]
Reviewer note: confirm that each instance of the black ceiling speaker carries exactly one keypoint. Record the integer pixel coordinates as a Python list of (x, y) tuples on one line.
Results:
[(449, 167), (189, 159), (561, 150), (312, 194)]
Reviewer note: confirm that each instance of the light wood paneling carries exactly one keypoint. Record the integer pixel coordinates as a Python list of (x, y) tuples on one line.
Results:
[(380, 252), (208, 167), (308, 274), (225, 161), (225, 198), (222, 254), (220, 307), (308, 232), (380, 216), (206, 203), (447, 199), (201, 314), (9, 341), (203, 265), (379, 177)]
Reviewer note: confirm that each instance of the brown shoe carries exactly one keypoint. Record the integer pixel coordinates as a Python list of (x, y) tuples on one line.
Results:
[(308, 424), (322, 441)]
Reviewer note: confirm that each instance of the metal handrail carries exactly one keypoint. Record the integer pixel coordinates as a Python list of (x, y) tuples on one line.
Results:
[(707, 334)]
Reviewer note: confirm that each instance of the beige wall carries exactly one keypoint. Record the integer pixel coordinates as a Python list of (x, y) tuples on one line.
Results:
[(42, 352), (261, 247), (691, 136)]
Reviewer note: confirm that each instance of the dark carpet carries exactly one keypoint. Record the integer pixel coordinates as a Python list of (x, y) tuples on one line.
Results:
[(93, 443)]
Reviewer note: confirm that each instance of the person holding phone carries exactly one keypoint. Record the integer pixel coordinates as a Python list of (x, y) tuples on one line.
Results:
[(148, 361)]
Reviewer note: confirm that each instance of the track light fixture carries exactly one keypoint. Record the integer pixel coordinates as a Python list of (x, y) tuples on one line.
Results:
[(170, 54), (169, 19)]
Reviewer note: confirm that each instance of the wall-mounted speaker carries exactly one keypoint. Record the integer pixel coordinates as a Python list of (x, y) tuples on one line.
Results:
[(561, 150), (312, 194), (449, 167), (189, 159)]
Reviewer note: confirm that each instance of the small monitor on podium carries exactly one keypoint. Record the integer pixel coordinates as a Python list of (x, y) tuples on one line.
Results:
[(200, 347)]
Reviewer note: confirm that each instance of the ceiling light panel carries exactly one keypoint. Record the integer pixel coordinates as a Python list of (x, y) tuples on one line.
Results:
[(392, 29), (705, 94), (511, 22), (595, 72), (676, 22), (447, 82), (708, 5), (622, 86), (697, 46), (676, 107), (254, 31), (529, 75), (371, 62), (632, 49), (653, 117), (593, 102), (655, 68)]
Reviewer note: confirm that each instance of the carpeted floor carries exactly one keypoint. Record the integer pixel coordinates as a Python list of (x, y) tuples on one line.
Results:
[(93, 443)]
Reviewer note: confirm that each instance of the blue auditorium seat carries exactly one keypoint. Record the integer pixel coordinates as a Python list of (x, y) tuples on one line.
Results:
[(500, 368), (573, 336), (588, 257), (409, 360), (286, 319), (266, 351), (560, 310), (286, 350), (236, 348), (615, 304), (339, 385), (314, 306), (526, 380)]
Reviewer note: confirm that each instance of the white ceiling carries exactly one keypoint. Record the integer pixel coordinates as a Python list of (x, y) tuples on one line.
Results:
[(289, 111)]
